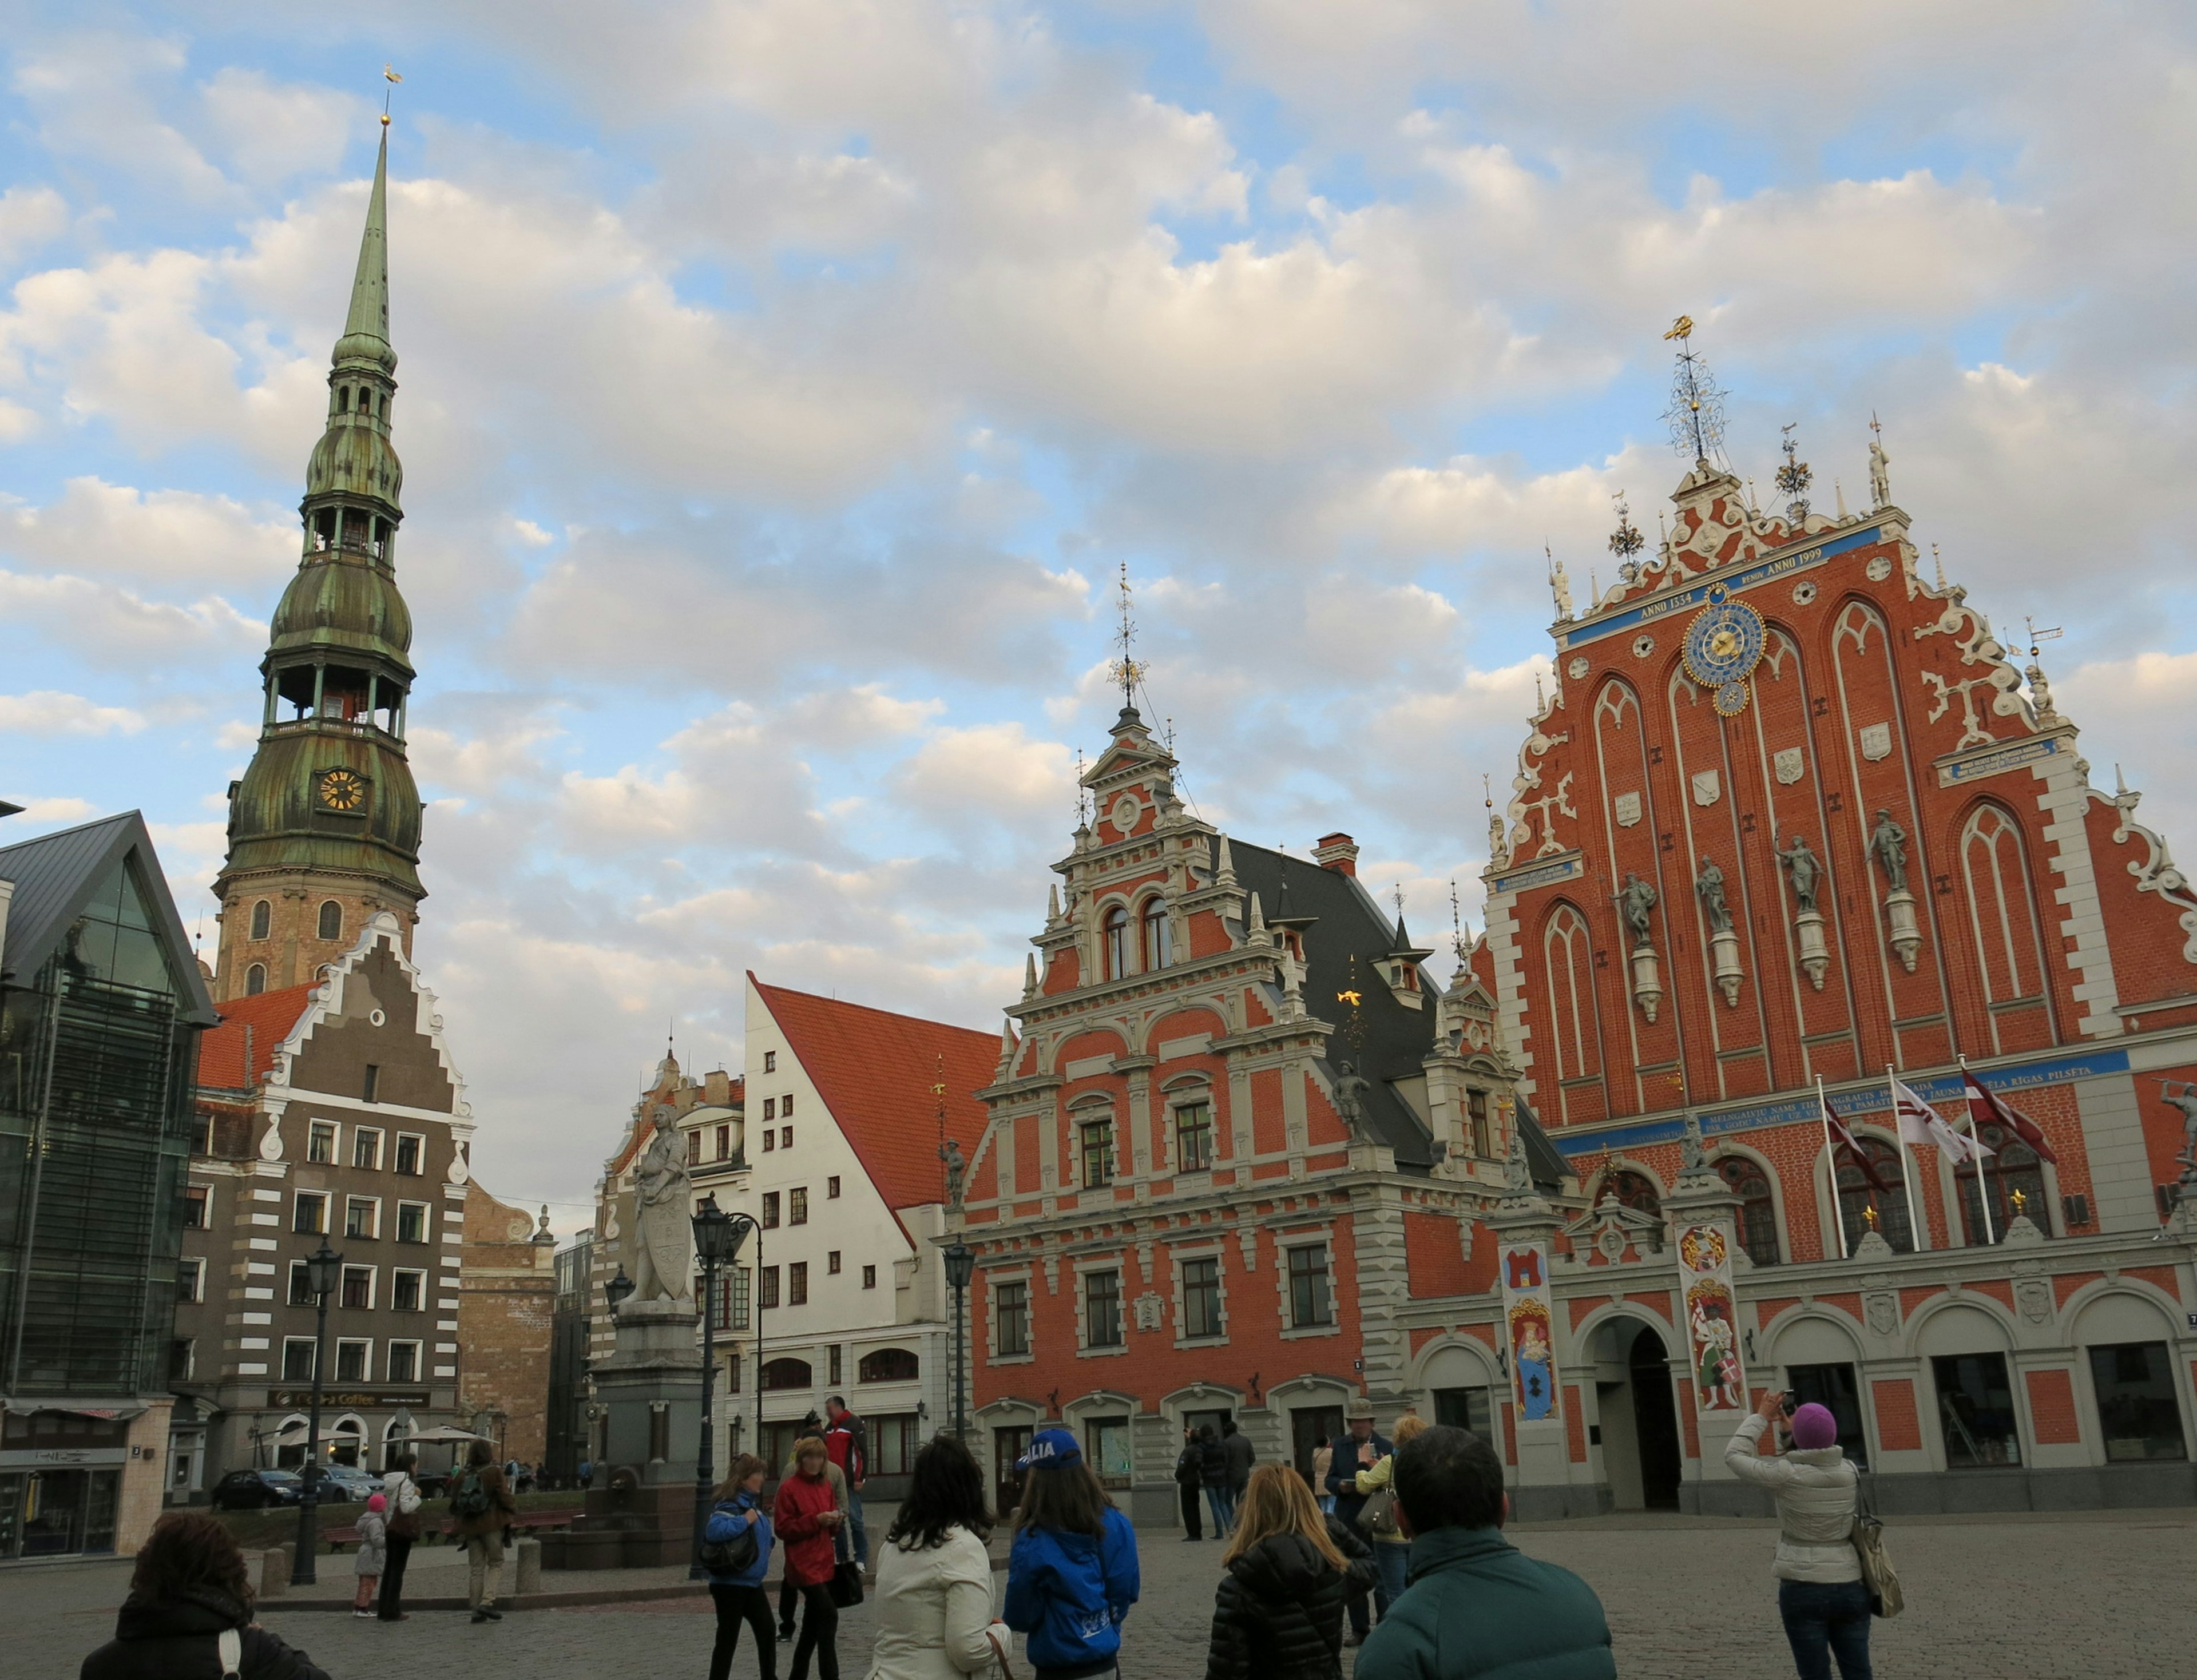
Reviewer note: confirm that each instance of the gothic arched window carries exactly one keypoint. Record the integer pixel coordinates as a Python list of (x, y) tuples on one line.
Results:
[(1116, 931), (263, 916), (1636, 1191), (1758, 1211), (2012, 1168), (331, 920), (1159, 942), (255, 980), (1576, 1031), (1857, 1194)]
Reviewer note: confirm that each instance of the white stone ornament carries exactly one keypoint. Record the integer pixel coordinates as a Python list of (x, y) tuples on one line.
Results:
[(1643, 647), (1628, 809), (1126, 809), (1875, 741), (1787, 764), (1879, 569), (1579, 667), (1804, 591), (1708, 786)]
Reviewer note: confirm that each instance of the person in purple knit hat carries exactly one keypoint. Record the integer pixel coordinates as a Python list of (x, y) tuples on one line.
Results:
[(1820, 1592)]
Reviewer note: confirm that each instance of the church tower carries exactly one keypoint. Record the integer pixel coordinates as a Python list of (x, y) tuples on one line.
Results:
[(324, 828)]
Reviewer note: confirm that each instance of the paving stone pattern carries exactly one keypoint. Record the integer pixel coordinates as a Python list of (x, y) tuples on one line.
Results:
[(2103, 1594)]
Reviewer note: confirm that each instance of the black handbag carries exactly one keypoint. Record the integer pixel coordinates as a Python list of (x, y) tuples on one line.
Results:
[(730, 1557), (846, 1584)]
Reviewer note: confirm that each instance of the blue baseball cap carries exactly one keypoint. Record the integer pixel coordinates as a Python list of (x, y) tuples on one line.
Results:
[(1050, 1449)]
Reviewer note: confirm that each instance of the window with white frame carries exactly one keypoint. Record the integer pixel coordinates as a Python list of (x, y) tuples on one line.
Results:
[(311, 1214), (190, 1280), (366, 1147), (1011, 1319), (1200, 1298), (407, 1291), (321, 1143), (411, 1222), (1312, 1300), (411, 1154), (403, 1363), (297, 1358), (1102, 1309), (354, 1360), (198, 1206), (301, 1285), (363, 1216), (1096, 1140), (1193, 1137), (358, 1288)]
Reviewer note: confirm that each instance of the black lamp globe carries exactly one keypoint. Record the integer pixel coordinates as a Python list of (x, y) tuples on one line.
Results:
[(718, 1235), (617, 1289), (323, 1269), (960, 1265)]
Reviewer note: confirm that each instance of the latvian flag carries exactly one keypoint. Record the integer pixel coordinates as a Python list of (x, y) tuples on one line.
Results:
[(1985, 1105), (1919, 1123), (1841, 1139)]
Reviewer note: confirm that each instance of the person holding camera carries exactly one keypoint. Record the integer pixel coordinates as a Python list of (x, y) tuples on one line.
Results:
[(1821, 1595)]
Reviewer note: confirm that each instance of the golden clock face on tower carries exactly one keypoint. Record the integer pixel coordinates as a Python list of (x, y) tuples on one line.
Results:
[(342, 790)]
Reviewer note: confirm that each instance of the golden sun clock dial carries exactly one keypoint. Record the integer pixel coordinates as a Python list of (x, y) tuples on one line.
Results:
[(342, 791), (1721, 649)]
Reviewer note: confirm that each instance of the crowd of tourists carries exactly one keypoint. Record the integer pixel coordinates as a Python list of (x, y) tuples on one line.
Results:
[(1399, 1540)]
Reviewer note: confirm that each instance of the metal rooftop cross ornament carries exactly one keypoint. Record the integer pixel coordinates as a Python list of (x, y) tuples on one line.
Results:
[(1125, 671), (1794, 479), (1695, 416)]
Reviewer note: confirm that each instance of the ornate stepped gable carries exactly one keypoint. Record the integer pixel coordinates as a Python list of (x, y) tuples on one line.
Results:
[(1789, 813)]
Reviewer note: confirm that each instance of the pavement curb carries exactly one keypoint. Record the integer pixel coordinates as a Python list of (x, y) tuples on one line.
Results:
[(532, 1600)]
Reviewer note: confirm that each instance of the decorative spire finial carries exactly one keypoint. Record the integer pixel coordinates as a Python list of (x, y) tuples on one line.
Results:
[(1456, 921), (1938, 559), (1625, 541), (390, 76), (1695, 416), (1794, 479), (1125, 671)]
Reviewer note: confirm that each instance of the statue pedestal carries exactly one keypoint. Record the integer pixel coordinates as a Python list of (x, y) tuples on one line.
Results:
[(1814, 955), (640, 1512), (1906, 938), (1647, 980), (1724, 954)]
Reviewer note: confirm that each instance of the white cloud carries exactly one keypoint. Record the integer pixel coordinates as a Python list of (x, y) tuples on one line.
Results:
[(167, 536), (45, 712)]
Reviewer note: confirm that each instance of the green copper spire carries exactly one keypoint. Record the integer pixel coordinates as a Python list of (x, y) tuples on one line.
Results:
[(366, 329)]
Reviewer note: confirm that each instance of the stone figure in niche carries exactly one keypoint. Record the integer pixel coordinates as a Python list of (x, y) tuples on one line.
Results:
[(662, 1261), (1634, 900), (1709, 883), (1888, 840), (1350, 1096), (1880, 476), (1517, 1176), (2185, 1101), (1692, 1158), (1802, 869), (957, 1173)]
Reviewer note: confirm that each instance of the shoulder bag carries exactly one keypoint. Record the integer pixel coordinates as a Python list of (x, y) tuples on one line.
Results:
[(845, 1585), (998, 1634), (1378, 1515), (730, 1557), (404, 1524), (1877, 1574)]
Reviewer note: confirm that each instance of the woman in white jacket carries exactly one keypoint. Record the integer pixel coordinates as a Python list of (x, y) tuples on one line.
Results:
[(1820, 1594), (934, 1584)]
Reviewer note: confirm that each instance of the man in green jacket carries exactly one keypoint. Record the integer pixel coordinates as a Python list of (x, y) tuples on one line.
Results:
[(1477, 1607)]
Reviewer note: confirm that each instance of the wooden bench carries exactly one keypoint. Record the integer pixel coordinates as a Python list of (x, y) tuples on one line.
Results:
[(526, 1522)]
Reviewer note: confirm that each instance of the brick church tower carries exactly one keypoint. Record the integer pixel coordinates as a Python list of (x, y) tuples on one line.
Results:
[(324, 827)]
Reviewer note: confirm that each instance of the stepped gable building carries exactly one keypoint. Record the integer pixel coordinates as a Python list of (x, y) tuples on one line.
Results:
[(324, 826), (328, 1104), (1790, 814), (1240, 1134)]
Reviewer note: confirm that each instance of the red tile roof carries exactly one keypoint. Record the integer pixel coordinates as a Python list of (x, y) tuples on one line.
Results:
[(875, 1070), (269, 1016)]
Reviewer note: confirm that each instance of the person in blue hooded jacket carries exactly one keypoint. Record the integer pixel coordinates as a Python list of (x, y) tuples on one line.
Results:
[(739, 1595), (1072, 1574)]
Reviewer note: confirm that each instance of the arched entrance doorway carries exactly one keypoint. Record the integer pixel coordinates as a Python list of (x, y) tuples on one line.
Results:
[(1639, 1425)]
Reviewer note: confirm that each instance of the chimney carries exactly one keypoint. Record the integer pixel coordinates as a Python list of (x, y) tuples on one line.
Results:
[(717, 1088), (1338, 852)]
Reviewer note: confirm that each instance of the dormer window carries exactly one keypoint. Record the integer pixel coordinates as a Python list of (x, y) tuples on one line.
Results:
[(1159, 940), (1115, 929)]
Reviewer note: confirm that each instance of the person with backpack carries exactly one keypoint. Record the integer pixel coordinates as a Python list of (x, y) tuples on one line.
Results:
[(190, 1614), (403, 1494), (1821, 1595), (1290, 1573), (738, 1527), (807, 1516), (1072, 1571), (1190, 1483), (1392, 1547), (481, 1509)]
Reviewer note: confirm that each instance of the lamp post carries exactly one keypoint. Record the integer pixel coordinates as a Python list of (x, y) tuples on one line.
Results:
[(323, 1267), (615, 1292), (717, 1238), (960, 1267)]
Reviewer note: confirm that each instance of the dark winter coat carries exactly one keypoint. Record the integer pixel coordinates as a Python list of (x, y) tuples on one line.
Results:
[(1213, 1463), (1277, 1613), (1189, 1467), (1478, 1609), (1241, 1455), (178, 1639), (1343, 1471)]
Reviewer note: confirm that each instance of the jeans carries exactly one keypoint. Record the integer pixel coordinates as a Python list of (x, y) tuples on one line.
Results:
[(819, 1633), (860, 1541), (1221, 1502), (393, 1578), (1390, 1562), (736, 1605), (483, 1565), (1824, 1620)]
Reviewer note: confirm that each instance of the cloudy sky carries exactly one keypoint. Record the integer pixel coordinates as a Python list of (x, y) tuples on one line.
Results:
[(784, 382)]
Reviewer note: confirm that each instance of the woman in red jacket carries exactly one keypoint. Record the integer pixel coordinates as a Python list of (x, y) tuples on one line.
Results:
[(806, 1516)]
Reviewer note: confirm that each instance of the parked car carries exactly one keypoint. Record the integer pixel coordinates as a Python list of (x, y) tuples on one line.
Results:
[(432, 1483), (346, 1484), (251, 1490)]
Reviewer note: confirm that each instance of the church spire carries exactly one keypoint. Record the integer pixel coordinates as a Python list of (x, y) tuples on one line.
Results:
[(366, 329)]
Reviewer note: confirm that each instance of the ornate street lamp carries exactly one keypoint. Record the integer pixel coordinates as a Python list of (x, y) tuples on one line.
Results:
[(960, 1267), (615, 1290), (717, 1238), (323, 1271)]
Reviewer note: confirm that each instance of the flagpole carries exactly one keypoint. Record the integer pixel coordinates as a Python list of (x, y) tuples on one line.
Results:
[(1919, 1233), (1983, 1184), (1831, 1156)]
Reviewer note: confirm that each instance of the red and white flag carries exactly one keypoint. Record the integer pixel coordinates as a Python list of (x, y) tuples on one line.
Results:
[(1986, 1104), (1919, 1123), (1841, 1139)]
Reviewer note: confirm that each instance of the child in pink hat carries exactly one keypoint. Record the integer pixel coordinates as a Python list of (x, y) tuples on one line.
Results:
[(372, 1553)]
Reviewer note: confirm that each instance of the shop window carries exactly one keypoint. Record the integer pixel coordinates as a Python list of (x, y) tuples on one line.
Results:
[(894, 1440), (1976, 1411), (1757, 1212), (1834, 1388), (1011, 1317), (1106, 1440), (2136, 1410)]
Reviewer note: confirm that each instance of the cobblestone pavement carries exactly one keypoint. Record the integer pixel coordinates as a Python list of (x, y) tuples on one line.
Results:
[(2104, 1594)]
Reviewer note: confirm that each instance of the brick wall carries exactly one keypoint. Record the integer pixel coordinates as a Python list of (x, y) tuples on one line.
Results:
[(1898, 1428), (2052, 1408), (505, 1306)]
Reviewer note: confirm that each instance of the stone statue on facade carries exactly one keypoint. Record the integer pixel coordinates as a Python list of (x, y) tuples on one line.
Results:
[(1561, 587), (662, 1245), (957, 1173), (1350, 1091), (1517, 1176), (1692, 1156), (1709, 884), (1888, 842), (1880, 476), (1803, 869), (1634, 900), (2184, 1100)]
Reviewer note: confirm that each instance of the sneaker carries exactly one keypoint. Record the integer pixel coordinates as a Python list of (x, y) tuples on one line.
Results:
[(492, 1614), (363, 1615), (479, 1616)]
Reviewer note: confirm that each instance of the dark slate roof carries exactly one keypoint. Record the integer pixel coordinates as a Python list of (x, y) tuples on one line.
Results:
[(1543, 1158), (1398, 1038), (55, 876)]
